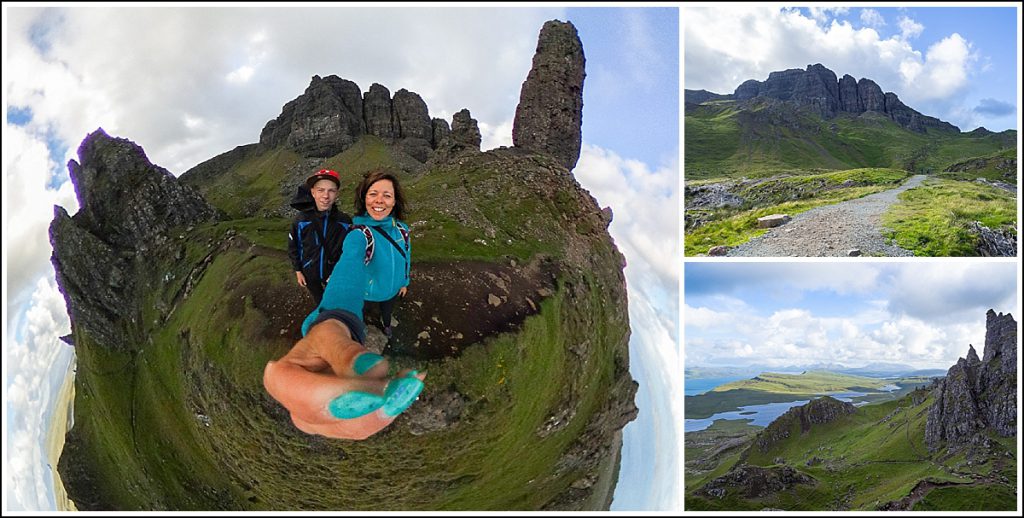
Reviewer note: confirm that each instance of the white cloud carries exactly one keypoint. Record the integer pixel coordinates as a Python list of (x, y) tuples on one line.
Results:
[(726, 45), (824, 14), (926, 315), (645, 228), (644, 204), (909, 28), (957, 292), (29, 202), (29, 396), (477, 59), (872, 18)]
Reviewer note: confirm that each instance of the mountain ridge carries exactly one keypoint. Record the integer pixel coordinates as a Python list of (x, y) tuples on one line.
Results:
[(817, 87)]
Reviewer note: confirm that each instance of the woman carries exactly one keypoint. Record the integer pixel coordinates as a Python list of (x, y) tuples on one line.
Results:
[(379, 207), (329, 382)]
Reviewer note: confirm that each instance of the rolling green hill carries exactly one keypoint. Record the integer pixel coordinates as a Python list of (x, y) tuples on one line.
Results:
[(763, 137), (872, 459)]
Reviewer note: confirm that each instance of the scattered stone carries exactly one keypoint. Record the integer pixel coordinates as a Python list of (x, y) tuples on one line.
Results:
[(720, 250), (854, 253), (994, 242), (773, 220), (493, 300)]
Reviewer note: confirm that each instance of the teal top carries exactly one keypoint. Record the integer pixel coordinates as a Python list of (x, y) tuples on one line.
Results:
[(352, 281)]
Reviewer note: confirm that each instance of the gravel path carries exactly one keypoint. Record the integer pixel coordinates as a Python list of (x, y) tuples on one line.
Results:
[(832, 230)]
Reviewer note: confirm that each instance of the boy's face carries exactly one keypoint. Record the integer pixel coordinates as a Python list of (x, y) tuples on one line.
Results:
[(325, 192)]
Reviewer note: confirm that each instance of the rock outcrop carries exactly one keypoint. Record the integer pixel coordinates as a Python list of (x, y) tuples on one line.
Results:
[(465, 131), (377, 112), (754, 482), (977, 395), (994, 242), (323, 121), (818, 89), (333, 113), (549, 116), (128, 208), (819, 411)]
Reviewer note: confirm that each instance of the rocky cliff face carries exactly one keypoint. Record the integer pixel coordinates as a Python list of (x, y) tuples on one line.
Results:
[(549, 116), (128, 210), (332, 114), (977, 395), (817, 88)]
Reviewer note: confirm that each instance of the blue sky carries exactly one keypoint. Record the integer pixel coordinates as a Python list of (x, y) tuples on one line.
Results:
[(955, 63), (201, 80), (772, 314)]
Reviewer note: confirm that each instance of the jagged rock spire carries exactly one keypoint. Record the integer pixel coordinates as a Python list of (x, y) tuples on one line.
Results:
[(549, 116), (976, 396)]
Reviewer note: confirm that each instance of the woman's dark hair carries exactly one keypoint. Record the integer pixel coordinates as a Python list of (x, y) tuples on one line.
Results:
[(371, 178)]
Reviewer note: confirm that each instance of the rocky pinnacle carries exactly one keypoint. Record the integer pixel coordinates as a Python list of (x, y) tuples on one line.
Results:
[(549, 116), (976, 396)]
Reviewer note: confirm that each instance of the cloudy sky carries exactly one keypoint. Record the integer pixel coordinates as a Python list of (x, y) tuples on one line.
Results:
[(922, 314), (188, 83), (955, 63)]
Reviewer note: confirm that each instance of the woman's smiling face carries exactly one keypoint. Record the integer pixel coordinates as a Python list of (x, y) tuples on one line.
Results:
[(380, 199)]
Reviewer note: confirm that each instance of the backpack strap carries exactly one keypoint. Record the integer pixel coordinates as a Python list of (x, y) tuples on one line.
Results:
[(405, 237), (369, 242)]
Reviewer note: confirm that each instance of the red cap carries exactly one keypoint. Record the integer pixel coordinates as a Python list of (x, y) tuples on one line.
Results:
[(323, 174)]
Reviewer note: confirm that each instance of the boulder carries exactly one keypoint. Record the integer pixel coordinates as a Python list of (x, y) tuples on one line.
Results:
[(772, 220)]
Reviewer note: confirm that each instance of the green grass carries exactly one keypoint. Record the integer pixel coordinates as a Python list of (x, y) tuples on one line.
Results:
[(999, 166), (864, 460), (243, 454), (933, 219), (141, 414), (811, 382), (723, 140), (973, 498)]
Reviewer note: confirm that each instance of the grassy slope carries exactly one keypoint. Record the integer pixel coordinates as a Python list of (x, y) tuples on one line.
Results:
[(151, 449), (864, 460), (723, 140), (934, 219), (811, 382)]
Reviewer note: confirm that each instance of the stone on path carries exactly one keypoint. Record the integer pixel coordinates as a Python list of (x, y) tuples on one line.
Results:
[(772, 220), (717, 251), (854, 253)]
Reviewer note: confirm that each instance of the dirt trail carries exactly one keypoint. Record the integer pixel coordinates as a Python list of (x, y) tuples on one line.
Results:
[(832, 230)]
